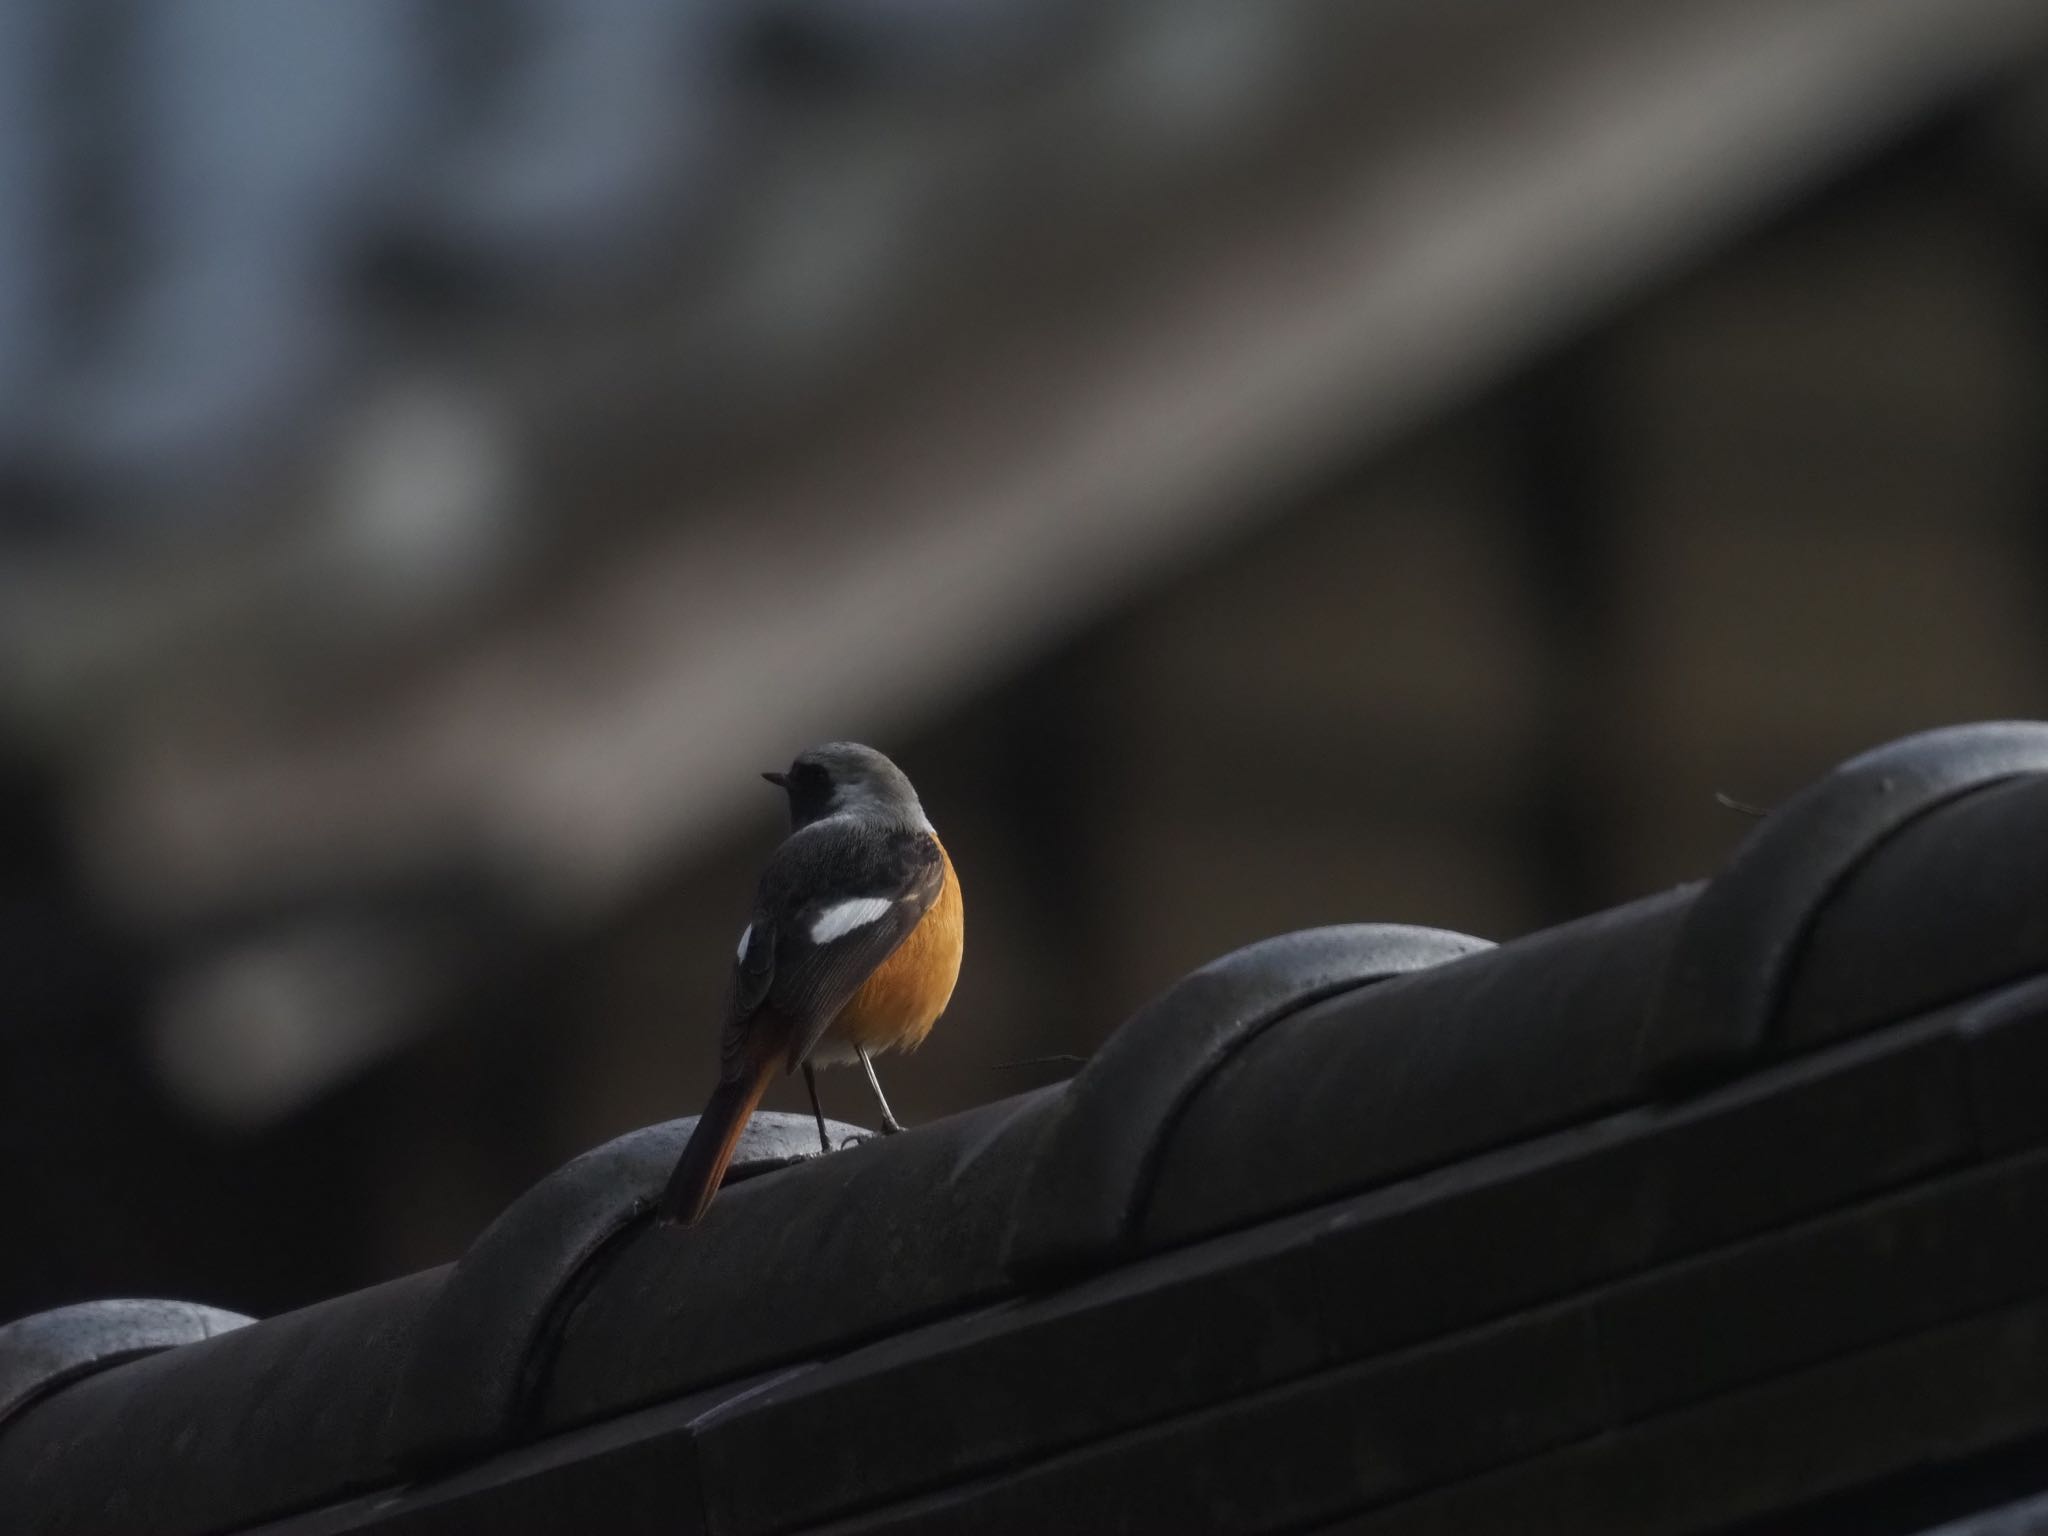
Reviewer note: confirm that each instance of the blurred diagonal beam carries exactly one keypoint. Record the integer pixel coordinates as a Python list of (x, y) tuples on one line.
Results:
[(1530, 183)]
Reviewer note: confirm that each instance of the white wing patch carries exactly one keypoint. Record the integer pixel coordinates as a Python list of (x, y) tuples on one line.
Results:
[(841, 918), (746, 938)]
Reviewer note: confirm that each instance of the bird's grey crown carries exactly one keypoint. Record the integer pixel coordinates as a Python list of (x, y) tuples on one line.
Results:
[(856, 781)]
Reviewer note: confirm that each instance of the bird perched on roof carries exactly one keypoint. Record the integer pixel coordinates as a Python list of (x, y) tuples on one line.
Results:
[(853, 949)]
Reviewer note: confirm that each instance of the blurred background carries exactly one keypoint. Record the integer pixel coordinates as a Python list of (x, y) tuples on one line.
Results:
[(1255, 465)]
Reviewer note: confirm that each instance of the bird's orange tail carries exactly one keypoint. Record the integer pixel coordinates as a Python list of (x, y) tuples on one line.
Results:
[(703, 1163)]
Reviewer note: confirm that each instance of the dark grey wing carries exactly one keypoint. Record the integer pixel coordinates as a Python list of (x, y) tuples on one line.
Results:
[(753, 972), (834, 903)]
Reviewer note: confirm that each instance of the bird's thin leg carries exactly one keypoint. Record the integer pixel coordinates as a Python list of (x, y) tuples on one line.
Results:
[(890, 1124), (811, 1082)]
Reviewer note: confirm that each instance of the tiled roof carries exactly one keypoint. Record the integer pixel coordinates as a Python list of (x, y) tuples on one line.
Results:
[(1712, 1208)]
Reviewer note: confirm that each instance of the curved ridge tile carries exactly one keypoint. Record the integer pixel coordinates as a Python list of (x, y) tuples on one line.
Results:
[(1376, 1084), (1093, 1168), (895, 1231), (1740, 945), (45, 1351), (1950, 908), (487, 1336), (282, 1414)]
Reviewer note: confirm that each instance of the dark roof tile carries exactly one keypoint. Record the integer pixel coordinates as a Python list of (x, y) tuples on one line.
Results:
[(1446, 1063), (1743, 942), (276, 1416), (486, 1339), (48, 1350), (818, 1258), (1100, 1150)]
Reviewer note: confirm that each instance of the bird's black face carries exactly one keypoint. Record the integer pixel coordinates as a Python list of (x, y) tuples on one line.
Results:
[(808, 783)]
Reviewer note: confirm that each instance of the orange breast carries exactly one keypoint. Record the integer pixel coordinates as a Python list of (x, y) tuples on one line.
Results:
[(897, 1005)]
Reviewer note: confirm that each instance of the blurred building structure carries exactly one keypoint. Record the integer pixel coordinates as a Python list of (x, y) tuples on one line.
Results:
[(1257, 465)]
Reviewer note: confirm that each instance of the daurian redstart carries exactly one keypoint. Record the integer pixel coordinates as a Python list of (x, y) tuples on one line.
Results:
[(853, 949)]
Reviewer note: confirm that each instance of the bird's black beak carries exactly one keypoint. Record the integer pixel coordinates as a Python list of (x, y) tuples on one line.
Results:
[(779, 780)]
